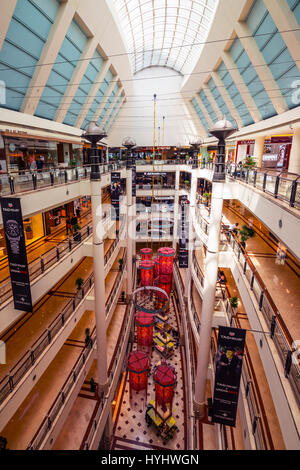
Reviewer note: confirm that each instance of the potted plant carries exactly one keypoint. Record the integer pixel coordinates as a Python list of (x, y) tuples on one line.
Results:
[(120, 261), (187, 184), (29, 232), (249, 163), (207, 198), (246, 233), (79, 283), (77, 234), (234, 302)]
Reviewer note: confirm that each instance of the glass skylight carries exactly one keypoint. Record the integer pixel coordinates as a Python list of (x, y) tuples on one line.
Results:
[(165, 33)]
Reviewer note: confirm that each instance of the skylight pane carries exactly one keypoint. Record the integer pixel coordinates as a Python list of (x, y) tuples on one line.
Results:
[(164, 25)]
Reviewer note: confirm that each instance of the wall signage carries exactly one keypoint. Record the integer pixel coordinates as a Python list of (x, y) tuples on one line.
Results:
[(229, 361), (16, 253)]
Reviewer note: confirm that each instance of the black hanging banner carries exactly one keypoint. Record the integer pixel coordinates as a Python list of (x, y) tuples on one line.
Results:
[(133, 181), (16, 253), (229, 361), (184, 235), (115, 194)]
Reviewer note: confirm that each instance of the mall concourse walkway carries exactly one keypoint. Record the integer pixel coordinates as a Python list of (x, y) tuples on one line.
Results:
[(23, 334), (272, 429), (25, 423), (41, 246), (282, 281)]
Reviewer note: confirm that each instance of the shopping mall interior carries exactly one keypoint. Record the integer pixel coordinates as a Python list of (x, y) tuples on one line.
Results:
[(149, 225)]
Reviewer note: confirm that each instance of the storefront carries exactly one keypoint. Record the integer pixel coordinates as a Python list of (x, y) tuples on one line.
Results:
[(230, 152), (277, 151), (244, 149), (21, 151)]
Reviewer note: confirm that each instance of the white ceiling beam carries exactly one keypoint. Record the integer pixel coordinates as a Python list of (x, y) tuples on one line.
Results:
[(241, 86), (105, 99), (285, 20), (204, 112), (111, 106), (7, 10), (226, 97), (76, 78), (212, 101), (48, 57), (93, 92), (262, 69), (196, 120)]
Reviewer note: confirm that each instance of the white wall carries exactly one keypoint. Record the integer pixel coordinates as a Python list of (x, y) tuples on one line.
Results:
[(137, 116)]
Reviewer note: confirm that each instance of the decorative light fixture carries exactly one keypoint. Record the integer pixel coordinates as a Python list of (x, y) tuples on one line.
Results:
[(221, 130), (129, 143), (196, 144), (94, 134)]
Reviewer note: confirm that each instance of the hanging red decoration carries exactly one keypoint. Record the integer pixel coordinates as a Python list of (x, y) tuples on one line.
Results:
[(138, 366), (156, 268), (146, 254), (144, 324), (165, 381), (147, 273), (166, 260)]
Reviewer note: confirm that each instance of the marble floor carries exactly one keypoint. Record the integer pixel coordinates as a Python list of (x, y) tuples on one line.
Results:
[(20, 337), (26, 421), (282, 281), (130, 428)]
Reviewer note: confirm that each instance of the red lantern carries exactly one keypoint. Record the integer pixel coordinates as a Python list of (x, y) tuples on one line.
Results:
[(146, 254), (147, 273), (138, 365), (165, 380), (166, 260), (144, 324)]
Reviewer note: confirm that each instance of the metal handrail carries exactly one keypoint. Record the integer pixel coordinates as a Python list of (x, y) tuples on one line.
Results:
[(9, 382), (65, 391)]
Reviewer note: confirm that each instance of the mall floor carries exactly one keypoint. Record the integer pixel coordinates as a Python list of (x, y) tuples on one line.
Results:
[(271, 425), (26, 421)]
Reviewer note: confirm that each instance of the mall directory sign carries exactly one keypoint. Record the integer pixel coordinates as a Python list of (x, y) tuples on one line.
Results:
[(16, 253), (229, 361)]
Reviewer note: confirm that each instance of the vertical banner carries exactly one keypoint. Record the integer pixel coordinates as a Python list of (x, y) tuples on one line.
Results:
[(229, 363), (115, 194), (184, 234), (133, 181), (16, 253)]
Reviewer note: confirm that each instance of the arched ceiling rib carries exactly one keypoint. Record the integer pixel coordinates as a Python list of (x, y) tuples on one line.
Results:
[(167, 33)]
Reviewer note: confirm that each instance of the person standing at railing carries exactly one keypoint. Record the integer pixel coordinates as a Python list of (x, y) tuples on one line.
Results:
[(68, 225)]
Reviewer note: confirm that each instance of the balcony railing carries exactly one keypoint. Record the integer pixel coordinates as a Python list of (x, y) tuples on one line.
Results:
[(10, 381), (280, 184), (43, 263), (24, 181), (278, 330), (260, 426), (65, 392)]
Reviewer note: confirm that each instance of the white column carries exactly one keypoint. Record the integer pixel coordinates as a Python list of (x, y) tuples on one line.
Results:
[(208, 305), (259, 150), (129, 223), (294, 164), (285, 20), (49, 54), (259, 64), (7, 10), (99, 286)]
